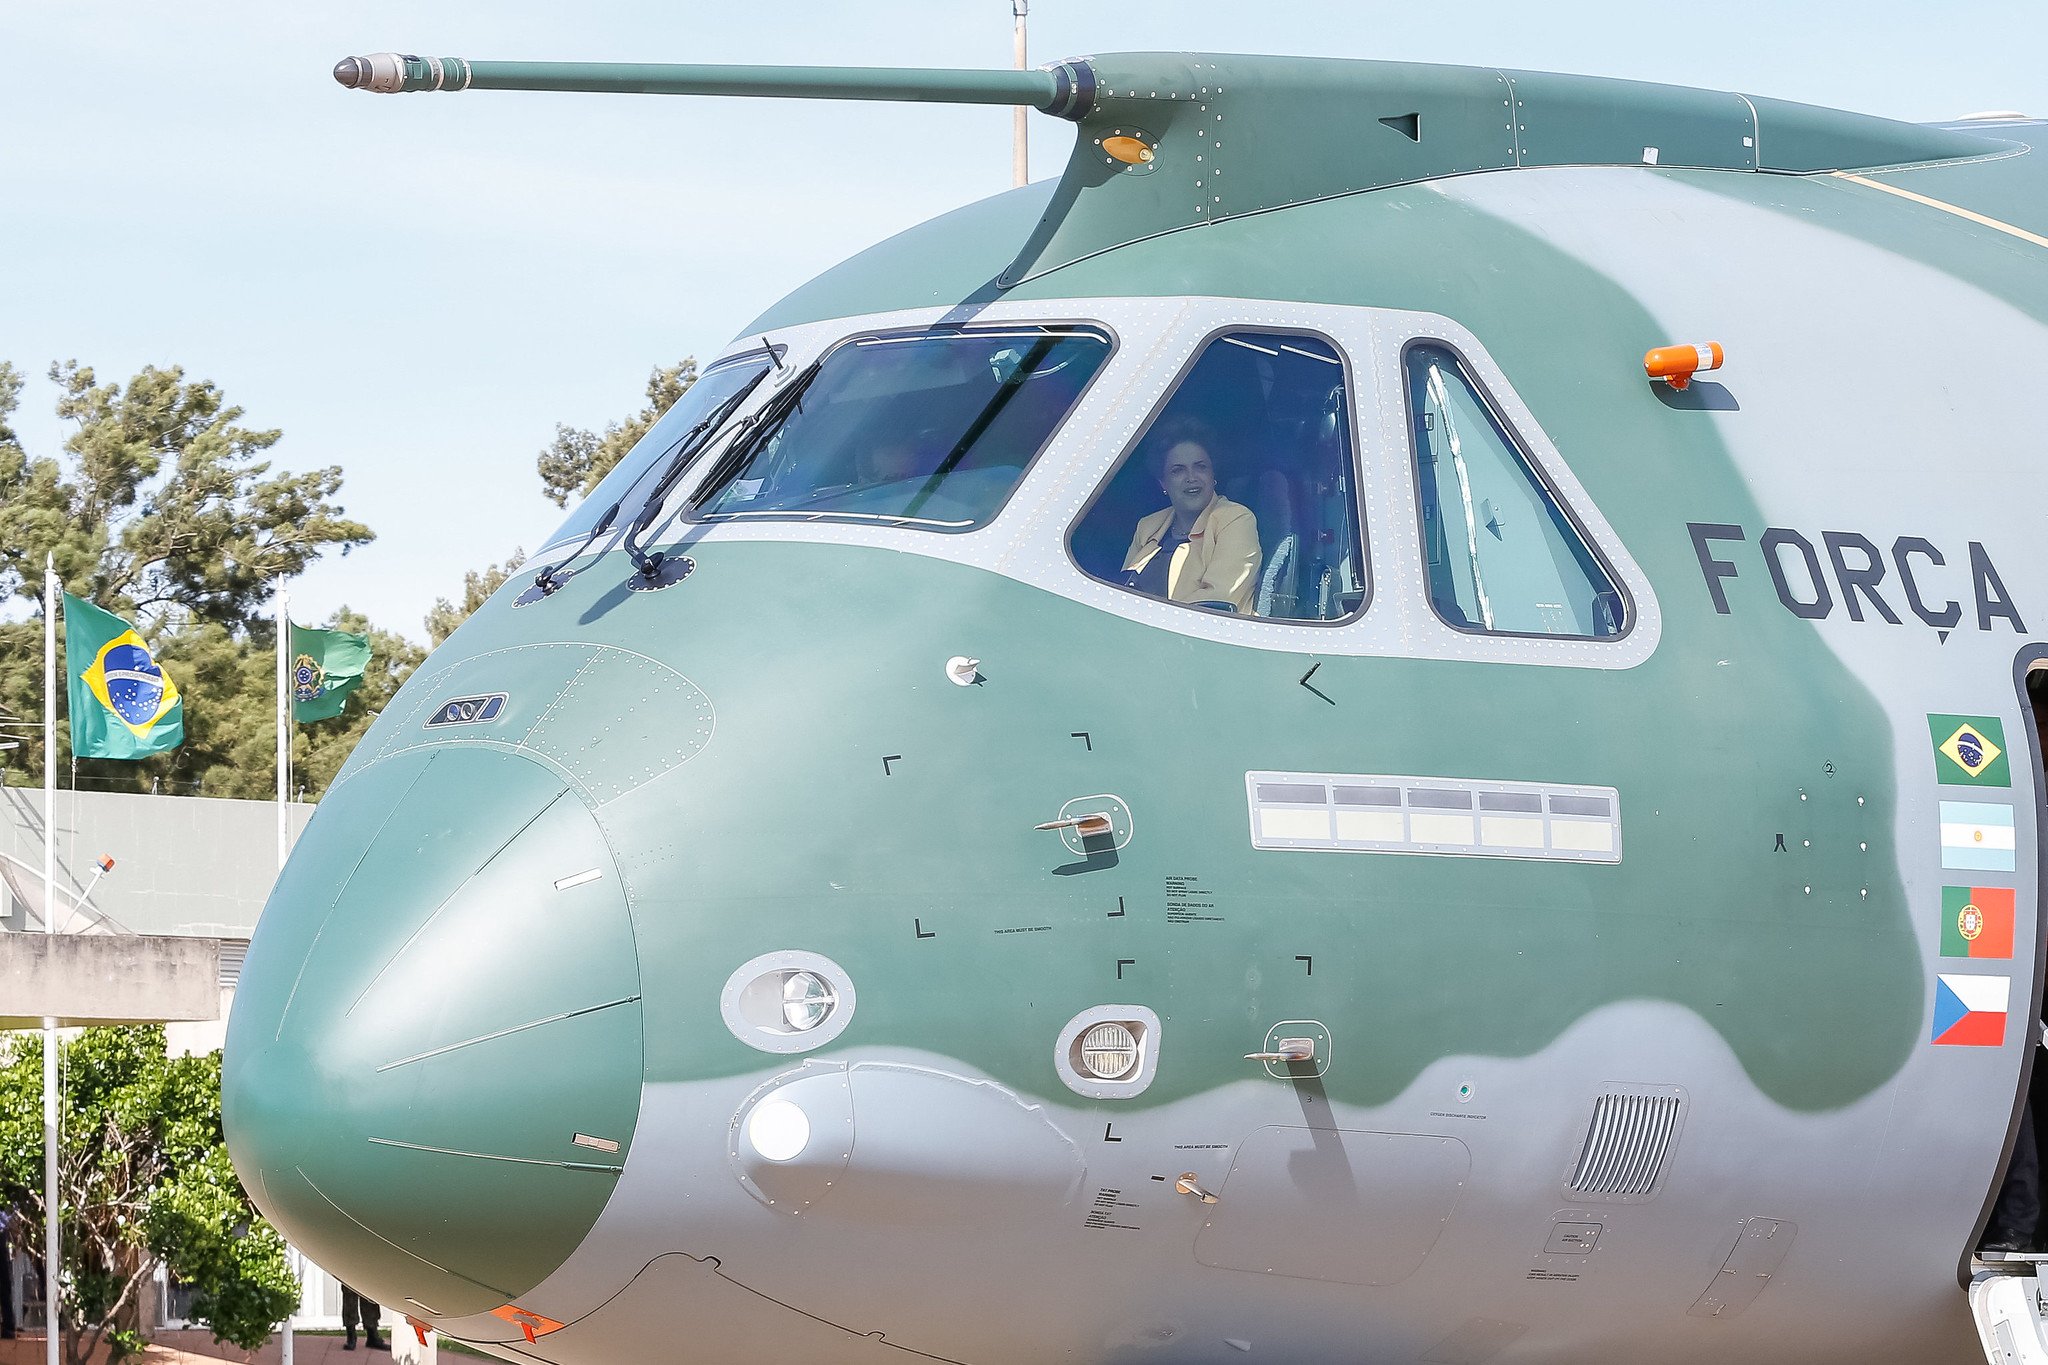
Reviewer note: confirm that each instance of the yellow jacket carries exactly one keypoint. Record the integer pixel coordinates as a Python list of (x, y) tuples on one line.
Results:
[(1219, 562)]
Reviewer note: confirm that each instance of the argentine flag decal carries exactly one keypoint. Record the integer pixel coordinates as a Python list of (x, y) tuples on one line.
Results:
[(1977, 834), (1969, 1011)]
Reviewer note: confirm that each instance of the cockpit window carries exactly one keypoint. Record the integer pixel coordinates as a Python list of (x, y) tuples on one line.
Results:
[(1504, 556), (928, 429), (634, 476), (1240, 496)]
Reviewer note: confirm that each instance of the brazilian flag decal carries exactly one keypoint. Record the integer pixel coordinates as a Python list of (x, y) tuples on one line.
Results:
[(123, 705), (1969, 751)]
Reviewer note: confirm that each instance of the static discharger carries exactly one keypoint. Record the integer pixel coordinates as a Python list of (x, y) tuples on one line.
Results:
[(533, 1324), (1676, 365)]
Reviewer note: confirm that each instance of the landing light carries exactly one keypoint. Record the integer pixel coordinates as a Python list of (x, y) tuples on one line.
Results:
[(779, 1130), (1676, 365), (1109, 1052), (790, 1001), (806, 1001)]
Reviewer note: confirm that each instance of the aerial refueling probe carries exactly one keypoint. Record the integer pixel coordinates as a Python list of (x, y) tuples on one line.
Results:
[(1065, 90)]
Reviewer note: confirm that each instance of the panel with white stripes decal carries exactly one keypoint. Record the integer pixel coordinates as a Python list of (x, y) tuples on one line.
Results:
[(1350, 813)]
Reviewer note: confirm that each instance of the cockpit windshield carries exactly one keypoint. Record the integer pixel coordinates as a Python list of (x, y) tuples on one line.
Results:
[(634, 476), (928, 429)]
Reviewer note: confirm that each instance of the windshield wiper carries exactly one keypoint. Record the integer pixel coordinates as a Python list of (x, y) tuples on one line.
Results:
[(1000, 399), (758, 427), (551, 578), (687, 450)]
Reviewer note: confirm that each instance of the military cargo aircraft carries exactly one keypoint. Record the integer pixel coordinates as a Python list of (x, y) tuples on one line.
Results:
[(1393, 723)]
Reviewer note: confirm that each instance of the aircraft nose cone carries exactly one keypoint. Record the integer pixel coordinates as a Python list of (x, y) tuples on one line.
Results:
[(433, 1067)]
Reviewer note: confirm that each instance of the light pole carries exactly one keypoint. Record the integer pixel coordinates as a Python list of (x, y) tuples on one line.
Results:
[(1020, 159)]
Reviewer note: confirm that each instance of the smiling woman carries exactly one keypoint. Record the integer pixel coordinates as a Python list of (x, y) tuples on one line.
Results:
[(1251, 456)]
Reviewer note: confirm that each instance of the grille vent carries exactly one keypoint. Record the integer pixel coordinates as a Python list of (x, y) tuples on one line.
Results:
[(1626, 1144), (232, 953)]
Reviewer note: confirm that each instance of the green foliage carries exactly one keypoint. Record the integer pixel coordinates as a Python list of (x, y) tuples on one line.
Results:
[(238, 1272), (476, 590), (576, 459), (161, 511), (161, 507), (145, 1179)]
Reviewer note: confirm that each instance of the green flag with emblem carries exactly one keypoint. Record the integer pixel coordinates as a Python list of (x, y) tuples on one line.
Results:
[(326, 666), (123, 705)]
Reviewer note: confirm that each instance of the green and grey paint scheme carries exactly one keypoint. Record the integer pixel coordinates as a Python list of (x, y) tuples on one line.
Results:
[(467, 1075)]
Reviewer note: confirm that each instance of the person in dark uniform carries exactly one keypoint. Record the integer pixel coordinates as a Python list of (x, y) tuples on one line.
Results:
[(355, 1307), (2016, 1217), (7, 1221)]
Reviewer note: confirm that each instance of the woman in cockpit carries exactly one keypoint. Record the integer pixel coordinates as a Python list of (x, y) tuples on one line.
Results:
[(1202, 548)]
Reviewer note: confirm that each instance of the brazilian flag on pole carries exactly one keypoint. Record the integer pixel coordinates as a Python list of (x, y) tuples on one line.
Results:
[(123, 705), (326, 666)]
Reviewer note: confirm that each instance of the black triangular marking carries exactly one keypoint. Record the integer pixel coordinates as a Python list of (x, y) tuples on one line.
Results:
[(1941, 637), (1407, 125)]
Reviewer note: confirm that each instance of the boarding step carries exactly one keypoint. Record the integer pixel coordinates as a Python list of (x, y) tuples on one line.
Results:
[(2010, 1262), (2010, 1305)]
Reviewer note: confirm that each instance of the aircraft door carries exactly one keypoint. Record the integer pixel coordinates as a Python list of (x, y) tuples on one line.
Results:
[(2012, 1221)]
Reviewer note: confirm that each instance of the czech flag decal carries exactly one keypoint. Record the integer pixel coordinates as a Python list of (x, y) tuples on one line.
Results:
[(1969, 1011)]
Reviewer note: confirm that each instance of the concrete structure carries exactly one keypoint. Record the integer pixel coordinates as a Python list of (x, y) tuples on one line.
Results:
[(108, 979)]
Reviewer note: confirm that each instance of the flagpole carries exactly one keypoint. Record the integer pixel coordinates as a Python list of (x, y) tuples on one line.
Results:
[(284, 738), (284, 758), (53, 1229)]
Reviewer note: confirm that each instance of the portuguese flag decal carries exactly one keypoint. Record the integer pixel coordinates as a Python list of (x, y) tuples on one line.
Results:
[(1976, 921)]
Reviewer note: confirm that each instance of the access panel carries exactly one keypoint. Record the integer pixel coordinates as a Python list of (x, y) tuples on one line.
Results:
[(1345, 1206)]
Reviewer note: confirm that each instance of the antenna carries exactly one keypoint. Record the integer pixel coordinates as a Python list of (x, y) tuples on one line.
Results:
[(1065, 90), (1020, 137)]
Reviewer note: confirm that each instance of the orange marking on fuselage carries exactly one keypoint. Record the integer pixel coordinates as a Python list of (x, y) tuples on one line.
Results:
[(535, 1325)]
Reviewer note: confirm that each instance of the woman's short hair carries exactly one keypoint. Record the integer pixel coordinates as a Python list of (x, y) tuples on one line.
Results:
[(1179, 432)]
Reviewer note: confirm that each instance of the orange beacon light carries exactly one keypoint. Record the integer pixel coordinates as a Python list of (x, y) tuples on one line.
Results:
[(1676, 365)]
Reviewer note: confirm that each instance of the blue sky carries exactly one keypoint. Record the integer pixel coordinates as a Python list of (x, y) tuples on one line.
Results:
[(418, 288)]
